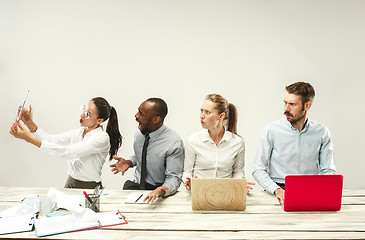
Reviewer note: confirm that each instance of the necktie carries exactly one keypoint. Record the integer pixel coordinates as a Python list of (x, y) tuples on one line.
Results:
[(144, 168)]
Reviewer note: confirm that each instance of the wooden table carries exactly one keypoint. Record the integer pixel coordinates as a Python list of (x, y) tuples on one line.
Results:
[(173, 218)]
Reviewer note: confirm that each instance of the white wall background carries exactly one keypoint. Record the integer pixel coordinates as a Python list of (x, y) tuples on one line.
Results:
[(68, 51)]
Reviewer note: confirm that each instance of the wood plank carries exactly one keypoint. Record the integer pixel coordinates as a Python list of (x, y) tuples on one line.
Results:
[(252, 209), (247, 222), (126, 234)]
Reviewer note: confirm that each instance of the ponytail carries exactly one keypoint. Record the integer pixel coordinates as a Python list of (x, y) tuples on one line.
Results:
[(108, 112), (232, 119), (114, 135)]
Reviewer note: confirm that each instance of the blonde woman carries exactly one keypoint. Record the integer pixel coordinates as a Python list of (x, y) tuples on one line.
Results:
[(217, 151)]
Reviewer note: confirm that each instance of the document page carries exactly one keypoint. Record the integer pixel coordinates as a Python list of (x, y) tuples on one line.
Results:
[(136, 198), (56, 225), (70, 223), (21, 223)]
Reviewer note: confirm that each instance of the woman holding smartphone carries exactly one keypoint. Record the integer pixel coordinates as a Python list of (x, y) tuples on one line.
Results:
[(85, 149)]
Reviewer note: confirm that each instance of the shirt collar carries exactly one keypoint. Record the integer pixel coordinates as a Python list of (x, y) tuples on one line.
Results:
[(207, 138), (96, 130), (306, 125), (155, 134)]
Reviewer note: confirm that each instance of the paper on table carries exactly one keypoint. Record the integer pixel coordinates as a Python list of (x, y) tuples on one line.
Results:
[(62, 224), (21, 223), (70, 223), (69, 203), (136, 198), (19, 218), (29, 205)]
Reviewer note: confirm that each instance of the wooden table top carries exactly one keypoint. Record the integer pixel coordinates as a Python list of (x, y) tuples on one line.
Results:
[(173, 218)]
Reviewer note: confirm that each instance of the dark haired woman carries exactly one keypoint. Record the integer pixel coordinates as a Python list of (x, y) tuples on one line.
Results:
[(85, 149)]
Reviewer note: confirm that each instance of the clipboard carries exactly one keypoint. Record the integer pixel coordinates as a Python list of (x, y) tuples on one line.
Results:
[(21, 110), (69, 223), (16, 224)]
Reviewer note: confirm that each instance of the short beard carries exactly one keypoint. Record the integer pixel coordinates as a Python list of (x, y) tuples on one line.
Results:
[(295, 120)]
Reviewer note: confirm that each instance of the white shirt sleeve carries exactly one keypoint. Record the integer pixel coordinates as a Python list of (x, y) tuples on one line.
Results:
[(63, 138), (95, 144), (189, 162), (238, 167)]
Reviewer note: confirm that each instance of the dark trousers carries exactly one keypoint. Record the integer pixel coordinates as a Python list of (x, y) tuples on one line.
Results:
[(74, 183), (130, 185)]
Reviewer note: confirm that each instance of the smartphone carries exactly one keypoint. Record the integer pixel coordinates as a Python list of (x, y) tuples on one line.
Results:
[(21, 110)]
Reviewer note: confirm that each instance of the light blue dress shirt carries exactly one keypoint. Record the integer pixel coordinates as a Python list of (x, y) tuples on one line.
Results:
[(165, 158), (283, 150)]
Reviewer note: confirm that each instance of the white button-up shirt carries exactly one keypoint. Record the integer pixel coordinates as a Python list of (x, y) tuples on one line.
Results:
[(205, 159), (85, 156)]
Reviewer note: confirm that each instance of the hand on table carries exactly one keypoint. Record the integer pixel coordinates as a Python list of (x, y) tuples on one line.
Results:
[(188, 184), (280, 195), (158, 192), (249, 188)]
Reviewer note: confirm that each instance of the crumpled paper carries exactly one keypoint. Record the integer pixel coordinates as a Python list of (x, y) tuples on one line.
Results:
[(67, 202), (28, 205)]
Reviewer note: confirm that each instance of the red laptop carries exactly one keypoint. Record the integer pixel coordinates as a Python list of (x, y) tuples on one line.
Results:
[(313, 192)]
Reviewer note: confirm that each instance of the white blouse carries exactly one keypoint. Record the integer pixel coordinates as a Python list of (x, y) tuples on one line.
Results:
[(205, 159), (85, 156)]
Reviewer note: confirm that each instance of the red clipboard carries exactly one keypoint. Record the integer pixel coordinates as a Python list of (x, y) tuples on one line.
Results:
[(69, 223)]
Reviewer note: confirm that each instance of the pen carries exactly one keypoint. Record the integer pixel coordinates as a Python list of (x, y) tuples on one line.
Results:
[(87, 197), (139, 197)]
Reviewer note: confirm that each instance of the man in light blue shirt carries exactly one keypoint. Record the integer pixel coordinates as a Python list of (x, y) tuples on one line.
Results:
[(293, 145), (158, 153)]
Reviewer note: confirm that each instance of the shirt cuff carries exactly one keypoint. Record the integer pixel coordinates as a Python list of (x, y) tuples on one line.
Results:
[(134, 162), (36, 134), (272, 188), (46, 147), (168, 191)]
